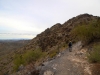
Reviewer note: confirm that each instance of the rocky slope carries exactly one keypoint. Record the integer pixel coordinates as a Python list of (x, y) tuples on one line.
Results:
[(59, 33)]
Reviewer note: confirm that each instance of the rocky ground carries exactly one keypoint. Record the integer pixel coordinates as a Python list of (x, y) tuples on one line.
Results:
[(68, 63)]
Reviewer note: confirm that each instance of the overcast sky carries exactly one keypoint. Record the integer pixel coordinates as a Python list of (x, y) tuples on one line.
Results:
[(27, 18)]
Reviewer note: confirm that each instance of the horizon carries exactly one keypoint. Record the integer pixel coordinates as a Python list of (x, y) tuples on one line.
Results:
[(25, 19), (15, 39), (16, 36)]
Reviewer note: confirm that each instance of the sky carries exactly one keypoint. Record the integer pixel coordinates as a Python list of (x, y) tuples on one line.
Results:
[(24, 19)]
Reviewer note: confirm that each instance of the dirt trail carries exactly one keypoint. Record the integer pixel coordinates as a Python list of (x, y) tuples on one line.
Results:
[(68, 63)]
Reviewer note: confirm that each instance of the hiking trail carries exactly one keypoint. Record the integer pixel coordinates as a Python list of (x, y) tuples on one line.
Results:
[(68, 63)]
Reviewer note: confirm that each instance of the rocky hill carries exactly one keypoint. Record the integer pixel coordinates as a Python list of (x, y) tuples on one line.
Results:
[(53, 40), (59, 33)]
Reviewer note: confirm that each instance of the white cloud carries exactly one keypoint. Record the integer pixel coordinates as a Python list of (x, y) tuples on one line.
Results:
[(19, 23)]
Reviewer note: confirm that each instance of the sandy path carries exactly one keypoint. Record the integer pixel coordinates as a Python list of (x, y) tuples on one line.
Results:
[(68, 63)]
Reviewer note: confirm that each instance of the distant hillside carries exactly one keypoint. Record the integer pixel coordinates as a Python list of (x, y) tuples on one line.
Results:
[(7, 49), (6, 46)]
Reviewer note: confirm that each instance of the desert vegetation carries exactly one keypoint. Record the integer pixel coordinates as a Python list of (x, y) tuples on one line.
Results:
[(94, 55), (89, 34), (7, 50), (27, 57)]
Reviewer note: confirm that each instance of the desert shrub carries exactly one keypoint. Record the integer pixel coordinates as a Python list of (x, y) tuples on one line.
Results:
[(29, 56), (53, 53), (94, 55), (32, 55), (17, 61), (87, 33)]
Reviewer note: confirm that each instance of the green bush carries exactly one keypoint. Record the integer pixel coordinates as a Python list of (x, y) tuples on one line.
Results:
[(17, 62), (87, 33), (27, 57), (53, 53), (94, 55), (32, 55)]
